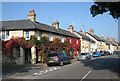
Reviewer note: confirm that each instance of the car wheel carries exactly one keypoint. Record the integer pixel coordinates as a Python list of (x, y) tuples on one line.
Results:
[(48, 65), (61, 63)]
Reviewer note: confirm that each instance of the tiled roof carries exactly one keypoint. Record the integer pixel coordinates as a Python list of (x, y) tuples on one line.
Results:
[(106, 42), (112, 43), (85, 37), (28, 24), (96, 37)]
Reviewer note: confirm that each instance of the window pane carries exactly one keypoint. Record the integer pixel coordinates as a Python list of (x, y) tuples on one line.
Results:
[(7, 33), (3, 35), (27, 34)]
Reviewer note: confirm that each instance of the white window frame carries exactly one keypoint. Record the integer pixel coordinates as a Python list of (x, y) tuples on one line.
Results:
[(83, 41), (38, 35), (50, 37), (70, 40), (99, 43), (6, 38), (62, 40), (25, 35), (77, 41)]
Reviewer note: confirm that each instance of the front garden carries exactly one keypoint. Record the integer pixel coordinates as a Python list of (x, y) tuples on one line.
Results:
[(71, 46)]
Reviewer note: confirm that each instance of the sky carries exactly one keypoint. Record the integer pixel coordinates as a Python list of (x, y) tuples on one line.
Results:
[(67, 13)]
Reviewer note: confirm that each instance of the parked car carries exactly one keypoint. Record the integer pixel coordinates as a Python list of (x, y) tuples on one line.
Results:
[(115, 52), (84, 56), (96, 54), (108, 53), (118, 53), (57, 58), (103, 53)]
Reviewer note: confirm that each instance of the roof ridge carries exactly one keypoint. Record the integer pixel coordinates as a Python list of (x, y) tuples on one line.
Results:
[(14, 20)]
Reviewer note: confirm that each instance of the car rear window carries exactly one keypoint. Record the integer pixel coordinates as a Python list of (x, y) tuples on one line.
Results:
[(52, 54), (83, 53)]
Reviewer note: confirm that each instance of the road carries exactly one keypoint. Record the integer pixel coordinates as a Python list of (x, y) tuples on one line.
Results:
[(106, 67)]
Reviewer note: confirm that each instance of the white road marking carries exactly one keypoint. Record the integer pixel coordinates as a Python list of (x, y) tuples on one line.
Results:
[(46, 71), (85, 75)]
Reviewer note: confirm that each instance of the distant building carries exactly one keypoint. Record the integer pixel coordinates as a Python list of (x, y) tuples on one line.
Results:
[(99, 43)]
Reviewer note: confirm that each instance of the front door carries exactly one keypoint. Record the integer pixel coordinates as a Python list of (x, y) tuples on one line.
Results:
[(27, 55)]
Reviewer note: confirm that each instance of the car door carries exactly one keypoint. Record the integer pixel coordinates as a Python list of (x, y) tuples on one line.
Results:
[(89, 55), (65, 58)]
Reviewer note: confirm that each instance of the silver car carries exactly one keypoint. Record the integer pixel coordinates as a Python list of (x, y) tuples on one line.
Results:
[(84, 56)]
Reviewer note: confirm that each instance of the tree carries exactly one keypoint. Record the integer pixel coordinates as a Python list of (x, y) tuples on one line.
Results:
[(101, 7)]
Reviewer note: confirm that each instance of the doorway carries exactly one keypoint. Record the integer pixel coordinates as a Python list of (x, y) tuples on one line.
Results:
[(28, 55)]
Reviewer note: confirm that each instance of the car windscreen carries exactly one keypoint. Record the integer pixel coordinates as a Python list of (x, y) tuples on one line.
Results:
[(101, 51), (95, 53), (83, 54), (52, 54)]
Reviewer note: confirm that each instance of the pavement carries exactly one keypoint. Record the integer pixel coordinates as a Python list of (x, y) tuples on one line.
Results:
[(102, 68)]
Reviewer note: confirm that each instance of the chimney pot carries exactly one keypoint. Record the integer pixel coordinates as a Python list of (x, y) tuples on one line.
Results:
[(33, 11), (71, 28), (30, 11), (91, 31), (80, 30)]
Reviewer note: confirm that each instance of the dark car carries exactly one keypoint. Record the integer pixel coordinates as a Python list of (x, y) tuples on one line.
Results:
[(115, 52), (108, 53), (118, 53), (103, 53), (57, 58)]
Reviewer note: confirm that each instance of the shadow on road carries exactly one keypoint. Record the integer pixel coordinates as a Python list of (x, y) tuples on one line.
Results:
[(110, 63), (12, 69)]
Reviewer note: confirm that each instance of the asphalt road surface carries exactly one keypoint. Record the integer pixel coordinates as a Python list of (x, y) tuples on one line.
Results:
[(105, 68)]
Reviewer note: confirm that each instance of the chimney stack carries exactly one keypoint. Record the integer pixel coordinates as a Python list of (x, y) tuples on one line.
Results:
[(84, 32), (112, 39), (107, 38), (56, 24), (32, 15), (101, 37), (91, 31), (71, 28), (81, 31)]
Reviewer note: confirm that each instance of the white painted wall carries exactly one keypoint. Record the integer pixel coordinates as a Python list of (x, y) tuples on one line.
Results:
[(94, 45)]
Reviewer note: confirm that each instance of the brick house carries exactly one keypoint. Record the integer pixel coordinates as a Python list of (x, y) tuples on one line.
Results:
[(26, 28)]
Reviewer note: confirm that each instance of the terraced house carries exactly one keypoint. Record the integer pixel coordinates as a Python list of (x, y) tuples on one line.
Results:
[(26, 28), (87, 44), (113, 45), (99, 43)]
